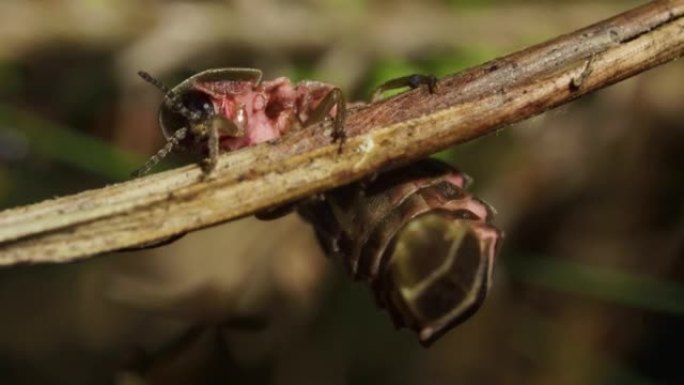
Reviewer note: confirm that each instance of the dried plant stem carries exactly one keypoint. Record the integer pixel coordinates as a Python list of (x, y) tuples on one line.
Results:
[(405, 128)]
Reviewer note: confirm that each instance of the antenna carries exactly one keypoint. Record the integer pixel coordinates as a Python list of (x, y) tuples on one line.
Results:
[(171, 100), (155, 82)]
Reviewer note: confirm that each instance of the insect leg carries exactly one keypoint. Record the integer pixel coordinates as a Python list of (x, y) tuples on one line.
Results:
[(334, 99), (411, 81), (210, 162), (162, 153)]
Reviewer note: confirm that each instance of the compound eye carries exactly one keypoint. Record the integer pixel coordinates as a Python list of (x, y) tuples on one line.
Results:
[(188, 108), (196, 105)]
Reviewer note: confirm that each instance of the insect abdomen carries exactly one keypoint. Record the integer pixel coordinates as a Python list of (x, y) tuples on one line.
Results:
[(424, 244)]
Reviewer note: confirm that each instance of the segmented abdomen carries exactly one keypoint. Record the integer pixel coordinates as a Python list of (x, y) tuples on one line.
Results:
[(424, 244)]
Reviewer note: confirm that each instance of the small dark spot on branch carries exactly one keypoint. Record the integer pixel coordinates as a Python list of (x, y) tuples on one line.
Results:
[(614, 35)]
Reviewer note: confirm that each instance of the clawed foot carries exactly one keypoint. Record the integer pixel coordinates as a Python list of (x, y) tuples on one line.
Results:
[(339, 136), (208, 167), (412, 81)]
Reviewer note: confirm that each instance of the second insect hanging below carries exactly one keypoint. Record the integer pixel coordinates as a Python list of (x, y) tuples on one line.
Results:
[(423, 243)]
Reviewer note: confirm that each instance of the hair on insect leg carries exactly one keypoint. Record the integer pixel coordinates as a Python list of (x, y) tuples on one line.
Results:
[(172, 142), (340, 116)]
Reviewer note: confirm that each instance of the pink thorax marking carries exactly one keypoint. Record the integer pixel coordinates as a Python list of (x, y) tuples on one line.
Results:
[(265, 111)]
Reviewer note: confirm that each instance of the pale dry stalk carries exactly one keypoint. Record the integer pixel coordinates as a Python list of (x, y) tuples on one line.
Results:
[(399, 130)]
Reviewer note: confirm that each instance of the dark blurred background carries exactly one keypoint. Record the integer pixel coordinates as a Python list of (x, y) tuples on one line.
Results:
[(589, 286)]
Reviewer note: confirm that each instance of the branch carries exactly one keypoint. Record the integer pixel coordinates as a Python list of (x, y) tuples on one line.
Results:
[(399, 130)]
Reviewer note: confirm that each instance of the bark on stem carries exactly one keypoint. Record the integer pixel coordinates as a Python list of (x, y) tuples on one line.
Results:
[(402, 129)]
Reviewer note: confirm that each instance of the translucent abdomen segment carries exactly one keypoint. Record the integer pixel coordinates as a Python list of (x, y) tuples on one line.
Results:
[(422, 242)]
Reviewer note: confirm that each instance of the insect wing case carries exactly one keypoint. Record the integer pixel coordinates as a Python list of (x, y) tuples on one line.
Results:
[(425, 245)]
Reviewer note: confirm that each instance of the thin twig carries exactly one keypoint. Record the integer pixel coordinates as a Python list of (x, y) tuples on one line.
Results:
[(399, 130)]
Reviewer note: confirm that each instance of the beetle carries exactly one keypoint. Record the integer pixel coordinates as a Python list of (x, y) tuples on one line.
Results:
[(231, 108), (424, 244)]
